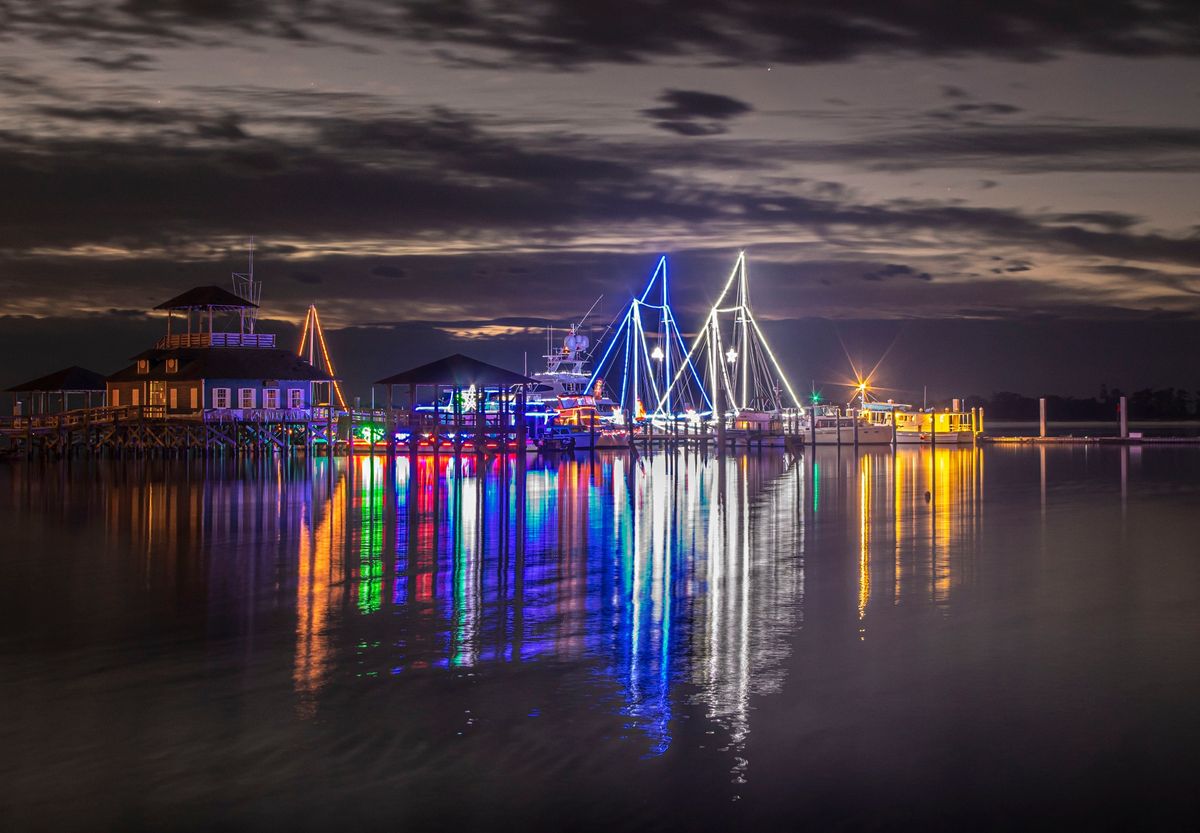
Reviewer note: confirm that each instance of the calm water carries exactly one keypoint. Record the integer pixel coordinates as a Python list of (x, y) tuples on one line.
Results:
[(1111, 428), (985, 639)]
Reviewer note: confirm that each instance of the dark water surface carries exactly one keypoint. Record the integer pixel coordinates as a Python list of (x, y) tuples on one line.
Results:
[(993, 638)]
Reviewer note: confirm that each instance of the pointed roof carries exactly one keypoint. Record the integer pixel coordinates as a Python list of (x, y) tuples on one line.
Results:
[(72, 378), (203, 297), (458, 371)]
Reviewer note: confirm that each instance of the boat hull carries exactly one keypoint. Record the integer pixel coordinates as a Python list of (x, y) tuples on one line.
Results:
[(943, 437), (867, 435)]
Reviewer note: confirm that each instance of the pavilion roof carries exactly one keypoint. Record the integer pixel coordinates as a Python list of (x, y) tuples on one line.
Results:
[(73, 378), (204, 297), (458, 371)]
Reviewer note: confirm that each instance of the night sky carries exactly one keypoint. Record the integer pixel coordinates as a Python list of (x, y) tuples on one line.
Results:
[(998, 198)]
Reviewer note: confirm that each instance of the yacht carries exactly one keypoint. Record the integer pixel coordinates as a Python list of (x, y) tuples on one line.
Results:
[(913, 425)]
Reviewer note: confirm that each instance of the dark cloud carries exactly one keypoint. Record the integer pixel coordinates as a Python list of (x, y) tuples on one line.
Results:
[(129, 62), (383, 271), (1114, 220), (1011, 148), (691, 104), (692, 128), (226, 127), (896, 270), (310, 278), (693, 113), (968, 111), (117, 114), (446, 175), (221, 126), (566, 33)]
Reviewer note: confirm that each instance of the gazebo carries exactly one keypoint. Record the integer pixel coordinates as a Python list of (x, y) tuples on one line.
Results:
[(59, 387), (204, 301), (470, 382)]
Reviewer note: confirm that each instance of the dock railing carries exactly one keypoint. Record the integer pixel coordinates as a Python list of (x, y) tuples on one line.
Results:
[(82, 416)]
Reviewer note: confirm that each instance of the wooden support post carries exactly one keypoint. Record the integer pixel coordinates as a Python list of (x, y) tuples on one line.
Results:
[(1124, 406), (458, 426), (436, 439), (1042, 417), (856, 432), (521, 426)]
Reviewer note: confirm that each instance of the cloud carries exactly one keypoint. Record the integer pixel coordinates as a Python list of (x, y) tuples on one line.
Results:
[(969, 111), (694, 113), (895, 270), (564, 33), (691, 104), (445, 176), (129, 62), (1010, 148)]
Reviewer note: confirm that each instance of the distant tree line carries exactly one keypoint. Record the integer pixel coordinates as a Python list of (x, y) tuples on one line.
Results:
[(1164, 403)]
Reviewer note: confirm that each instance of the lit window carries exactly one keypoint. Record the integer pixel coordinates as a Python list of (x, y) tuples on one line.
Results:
[(220, 397), (295, 398), (116, 398), (246, 397), (172, 365), (143, 366), (135, 397), (271, 398)]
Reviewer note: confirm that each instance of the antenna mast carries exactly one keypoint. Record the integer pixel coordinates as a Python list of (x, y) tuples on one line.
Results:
[(249, 289)]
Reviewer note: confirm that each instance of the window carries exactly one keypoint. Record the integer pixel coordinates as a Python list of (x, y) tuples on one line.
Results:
[(295, 398), (135, 396), (220, 397), (195, 399), (143, 366), (172, 365), (116, 398), (271, 398), (246, 397), (174, 398)]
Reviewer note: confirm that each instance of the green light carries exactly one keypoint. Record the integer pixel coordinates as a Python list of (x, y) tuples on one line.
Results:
[(370, 432), (816, 397)]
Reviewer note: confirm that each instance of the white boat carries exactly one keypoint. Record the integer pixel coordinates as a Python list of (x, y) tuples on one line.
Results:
[(566, 377), (833, 427), (952, 427)]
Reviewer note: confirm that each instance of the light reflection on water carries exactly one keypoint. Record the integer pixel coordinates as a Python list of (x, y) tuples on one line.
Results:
[(670, 568), (679, 587)]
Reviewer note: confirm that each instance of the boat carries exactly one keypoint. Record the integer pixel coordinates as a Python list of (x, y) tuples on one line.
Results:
[(913, 425), (579, 417), (566, 378), (557, 438), (829, 425)]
